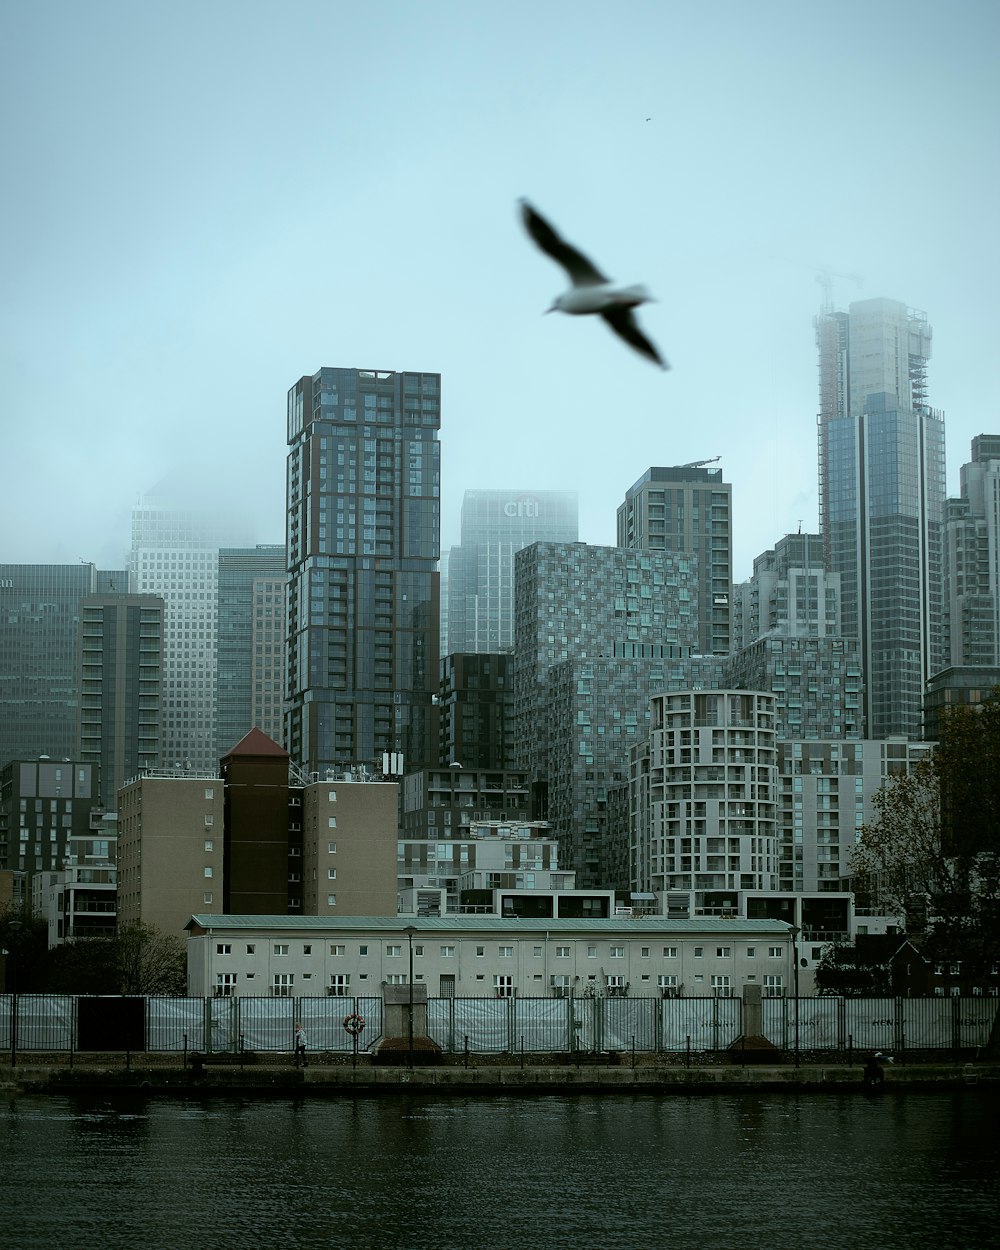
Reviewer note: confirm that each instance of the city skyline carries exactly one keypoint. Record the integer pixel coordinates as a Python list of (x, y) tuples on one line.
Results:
[(165, 303)]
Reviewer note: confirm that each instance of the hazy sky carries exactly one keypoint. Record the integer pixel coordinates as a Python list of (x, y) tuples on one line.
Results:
[(204, 200)]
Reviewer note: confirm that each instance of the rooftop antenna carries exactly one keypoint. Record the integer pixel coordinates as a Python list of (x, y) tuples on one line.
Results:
[(825, 278)]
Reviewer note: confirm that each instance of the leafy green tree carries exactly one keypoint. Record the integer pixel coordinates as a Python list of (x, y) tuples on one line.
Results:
[(840, 971), (82, 966)]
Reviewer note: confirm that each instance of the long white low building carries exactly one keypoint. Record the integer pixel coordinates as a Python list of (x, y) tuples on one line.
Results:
[(487, 956)]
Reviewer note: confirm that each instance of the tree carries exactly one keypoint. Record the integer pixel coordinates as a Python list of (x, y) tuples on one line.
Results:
[(81, 966), (149, 961), (910, 868), (24, 940)]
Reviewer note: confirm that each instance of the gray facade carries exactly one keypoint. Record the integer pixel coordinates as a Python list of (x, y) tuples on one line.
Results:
[(175, 554), (626, 620), (688, 510), (121, 688), (363, 541), (251, 642), (817, 683), (39, 656), (972, 559), (790, 592), (882, 495), (496, 524)]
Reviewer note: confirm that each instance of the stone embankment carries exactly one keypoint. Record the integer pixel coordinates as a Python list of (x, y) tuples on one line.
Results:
[(149, 1075)]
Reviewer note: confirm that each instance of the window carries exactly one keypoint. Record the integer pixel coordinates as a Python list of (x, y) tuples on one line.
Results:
[(393, 950), (208, 872), (225, 984), (251, 948), (667, 984), (307, 949), (332, 822), (699, 951), (504, 986), (223, 948), (723, 952), (418, 950), (338, 950), (506, 952), (751, 952), (591, 952), (616, 986), (331, 796), (722, 987), (537, 952), (480, 951), (644, 952), (331, 874), (774, 952), (340, 985), (617, 952), (281, 948), (331, 848), (563, 952), (209, 792), (331, 900), (363, 948), (447, 952), (396, 978), (282, 985), (670, 952), (772, 985), (560, 985), (209, 844)]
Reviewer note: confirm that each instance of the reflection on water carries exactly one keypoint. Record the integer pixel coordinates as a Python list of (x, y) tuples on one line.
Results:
[(751, 1171)]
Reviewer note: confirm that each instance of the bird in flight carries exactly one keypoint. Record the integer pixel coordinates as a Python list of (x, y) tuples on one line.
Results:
[(591, 291)]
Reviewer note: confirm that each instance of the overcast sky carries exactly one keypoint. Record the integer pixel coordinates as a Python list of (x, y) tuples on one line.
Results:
[(204, 200)]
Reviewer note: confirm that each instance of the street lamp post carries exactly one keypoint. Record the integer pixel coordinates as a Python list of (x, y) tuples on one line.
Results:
[(13, 932), (795, 931), (409, 931)]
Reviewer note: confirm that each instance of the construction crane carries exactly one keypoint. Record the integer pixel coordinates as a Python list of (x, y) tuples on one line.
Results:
[(825, 278), (697, 464)]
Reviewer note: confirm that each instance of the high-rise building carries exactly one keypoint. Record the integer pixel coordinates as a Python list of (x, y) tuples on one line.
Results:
[(363, 506), (120, 667), (881, 497), (476, 701), (175, 554), (251, 642), (790, 593), (45, 804), (496, 524), (597, 631), (972, 559), (704, 794), (687, 510), (816, 683), (40, 653)]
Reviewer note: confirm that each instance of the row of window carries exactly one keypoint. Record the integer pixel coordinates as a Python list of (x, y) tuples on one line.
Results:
[(504, 951), (283, 985)]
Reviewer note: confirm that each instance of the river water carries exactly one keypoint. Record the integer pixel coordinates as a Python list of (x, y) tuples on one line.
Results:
[(741, 1171)]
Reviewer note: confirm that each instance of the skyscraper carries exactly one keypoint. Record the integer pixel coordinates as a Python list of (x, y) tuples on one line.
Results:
[(121, 661), (688, 510), (363, 510), (495, 525), (972, 559), (881, 499), (39, 655), (175, 554), (251, 643), (598, 631)]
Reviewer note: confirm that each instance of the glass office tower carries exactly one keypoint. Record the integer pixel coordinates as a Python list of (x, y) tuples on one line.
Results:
[(882, 496)]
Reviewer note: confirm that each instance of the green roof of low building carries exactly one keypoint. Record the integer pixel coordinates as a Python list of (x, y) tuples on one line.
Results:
[(629, 925)]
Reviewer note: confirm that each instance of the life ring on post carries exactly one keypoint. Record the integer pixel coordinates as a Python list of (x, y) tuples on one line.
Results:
[(354, 1023)]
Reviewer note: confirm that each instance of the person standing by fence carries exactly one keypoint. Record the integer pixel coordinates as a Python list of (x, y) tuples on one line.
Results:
[(300, 1045)]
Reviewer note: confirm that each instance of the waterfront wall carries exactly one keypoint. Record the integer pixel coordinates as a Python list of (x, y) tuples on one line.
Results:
[(61, 1023)]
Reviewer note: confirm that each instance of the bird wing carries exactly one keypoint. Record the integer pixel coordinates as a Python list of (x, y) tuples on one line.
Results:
[(579, 268), (625, 326)]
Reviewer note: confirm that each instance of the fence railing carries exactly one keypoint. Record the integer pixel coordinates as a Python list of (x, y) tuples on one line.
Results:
[(51, 1022)]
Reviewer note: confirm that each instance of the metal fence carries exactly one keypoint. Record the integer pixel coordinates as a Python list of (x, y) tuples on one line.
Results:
[(50, 1022)]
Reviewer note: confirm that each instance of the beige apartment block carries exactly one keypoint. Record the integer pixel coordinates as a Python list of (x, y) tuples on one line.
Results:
[(349, 848)]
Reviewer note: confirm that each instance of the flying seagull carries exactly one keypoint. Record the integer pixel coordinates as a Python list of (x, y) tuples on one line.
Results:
[(591, 291)]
